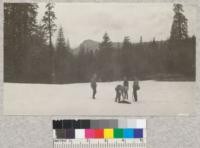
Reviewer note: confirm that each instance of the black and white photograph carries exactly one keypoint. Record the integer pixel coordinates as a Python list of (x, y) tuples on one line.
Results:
[(102, 59)]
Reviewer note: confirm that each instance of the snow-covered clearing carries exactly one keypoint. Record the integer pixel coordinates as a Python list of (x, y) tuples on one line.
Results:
[(155, 98)]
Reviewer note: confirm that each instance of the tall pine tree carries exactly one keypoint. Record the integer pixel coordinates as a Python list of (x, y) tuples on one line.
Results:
[(63, 59), (105, 59), (50, 27), (179, 29)]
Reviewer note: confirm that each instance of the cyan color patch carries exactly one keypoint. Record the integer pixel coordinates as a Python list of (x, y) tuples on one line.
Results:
[(128, 133)]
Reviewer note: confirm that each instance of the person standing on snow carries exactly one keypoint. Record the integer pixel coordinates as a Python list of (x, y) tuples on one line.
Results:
[(136, 87), (126, 86), (93, 84)]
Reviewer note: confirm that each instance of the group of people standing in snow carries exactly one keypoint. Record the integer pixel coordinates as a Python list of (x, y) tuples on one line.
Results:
[(121, 90)]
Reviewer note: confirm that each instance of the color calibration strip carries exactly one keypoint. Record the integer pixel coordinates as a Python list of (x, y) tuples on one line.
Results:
[(100, 133), (107, 133)]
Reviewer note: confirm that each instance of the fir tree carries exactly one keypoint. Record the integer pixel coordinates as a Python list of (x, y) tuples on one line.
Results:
[(105, 58), (49, 22), (50, 27), (62, 60), (179, 29)]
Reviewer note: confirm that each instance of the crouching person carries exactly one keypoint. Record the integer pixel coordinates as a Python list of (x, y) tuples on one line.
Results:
[(119, 91)]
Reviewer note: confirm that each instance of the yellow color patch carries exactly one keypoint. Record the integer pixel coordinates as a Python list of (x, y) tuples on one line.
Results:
[(108, 133)]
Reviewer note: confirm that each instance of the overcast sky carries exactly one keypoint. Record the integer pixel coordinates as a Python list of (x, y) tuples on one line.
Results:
[(81, 21)]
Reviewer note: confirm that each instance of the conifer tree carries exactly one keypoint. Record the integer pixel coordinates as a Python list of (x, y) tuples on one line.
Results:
[(62, 60), (105, 58), (179, 29), (50, 27)]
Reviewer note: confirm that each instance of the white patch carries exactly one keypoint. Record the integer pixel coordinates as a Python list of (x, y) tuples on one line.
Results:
[(79, 133)]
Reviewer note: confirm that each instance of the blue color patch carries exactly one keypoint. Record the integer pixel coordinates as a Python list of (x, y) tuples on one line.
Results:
[(138, 133), (128, 133)]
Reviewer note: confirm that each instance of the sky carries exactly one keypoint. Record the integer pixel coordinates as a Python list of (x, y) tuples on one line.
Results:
[(81, 21)]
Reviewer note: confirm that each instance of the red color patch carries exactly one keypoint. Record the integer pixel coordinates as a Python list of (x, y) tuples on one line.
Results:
[(99, 133)]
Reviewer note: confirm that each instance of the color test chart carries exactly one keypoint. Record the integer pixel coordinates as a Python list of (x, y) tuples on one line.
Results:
[(114, 133)]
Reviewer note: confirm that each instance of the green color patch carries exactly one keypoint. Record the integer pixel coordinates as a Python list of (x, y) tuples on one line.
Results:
[(118, 133)]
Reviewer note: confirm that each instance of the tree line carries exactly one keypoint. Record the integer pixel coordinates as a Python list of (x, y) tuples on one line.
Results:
[(31, 57)]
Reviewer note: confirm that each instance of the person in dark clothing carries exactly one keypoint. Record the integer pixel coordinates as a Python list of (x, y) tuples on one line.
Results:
[(93, 84), (119, 92), (126, 86), (136, 87)]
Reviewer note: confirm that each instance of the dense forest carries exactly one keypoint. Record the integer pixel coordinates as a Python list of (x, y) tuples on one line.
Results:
[(31, 57)]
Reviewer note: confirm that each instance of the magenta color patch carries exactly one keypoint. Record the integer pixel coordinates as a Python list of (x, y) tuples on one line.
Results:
[(89, 133)]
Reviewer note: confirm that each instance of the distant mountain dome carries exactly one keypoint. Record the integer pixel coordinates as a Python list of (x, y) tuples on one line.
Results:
[(91, 45)]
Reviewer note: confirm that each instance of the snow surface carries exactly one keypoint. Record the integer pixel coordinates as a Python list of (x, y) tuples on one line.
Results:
[(155, 98)]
